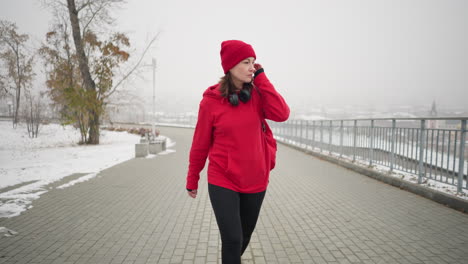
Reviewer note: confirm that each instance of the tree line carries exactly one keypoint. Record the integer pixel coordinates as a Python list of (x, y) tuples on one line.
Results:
[(81, 56)]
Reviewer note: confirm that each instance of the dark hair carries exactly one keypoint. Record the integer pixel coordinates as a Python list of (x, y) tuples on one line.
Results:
[(227, 87)]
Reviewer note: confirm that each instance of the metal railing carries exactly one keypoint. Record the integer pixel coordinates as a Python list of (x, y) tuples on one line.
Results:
[(419, 146), (182, 120), (413, 145)]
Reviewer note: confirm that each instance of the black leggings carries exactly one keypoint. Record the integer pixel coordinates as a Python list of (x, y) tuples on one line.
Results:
[(236, 214)]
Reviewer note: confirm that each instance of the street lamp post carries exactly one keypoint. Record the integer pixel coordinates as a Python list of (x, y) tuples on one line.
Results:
[(153, 118), (154, 98), (10, 108)]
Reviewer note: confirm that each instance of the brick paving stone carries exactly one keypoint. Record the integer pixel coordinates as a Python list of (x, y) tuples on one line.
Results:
[(314, 212)]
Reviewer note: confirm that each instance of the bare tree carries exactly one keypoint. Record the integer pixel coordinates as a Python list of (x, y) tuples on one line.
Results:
[(88, 81), (33, 114), (64, 80), (17, 62), (94, 59)]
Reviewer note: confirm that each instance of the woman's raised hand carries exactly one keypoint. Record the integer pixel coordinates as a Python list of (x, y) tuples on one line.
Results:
[(257, 66)]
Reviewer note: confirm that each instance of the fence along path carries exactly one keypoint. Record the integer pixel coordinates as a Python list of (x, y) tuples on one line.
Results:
[(428, 153)]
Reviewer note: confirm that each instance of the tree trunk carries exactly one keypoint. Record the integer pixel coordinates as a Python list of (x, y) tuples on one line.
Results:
[(88, 82), (93, 128), (18, 86), (18, 96)]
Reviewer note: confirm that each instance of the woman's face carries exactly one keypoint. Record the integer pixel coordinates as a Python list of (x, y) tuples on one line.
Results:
[(243, 71)]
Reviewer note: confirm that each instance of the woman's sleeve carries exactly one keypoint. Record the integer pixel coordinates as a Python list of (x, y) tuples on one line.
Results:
[(201, 144), (274, 106)]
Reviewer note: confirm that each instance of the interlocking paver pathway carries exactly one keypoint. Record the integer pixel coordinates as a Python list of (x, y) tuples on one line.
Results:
[(314, 212)]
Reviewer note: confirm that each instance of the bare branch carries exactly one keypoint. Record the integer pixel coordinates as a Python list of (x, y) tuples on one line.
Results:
[(93, 15), (97, 11), (133, 68), (4, 91), (17, 61), (55, 5), (85, 4)]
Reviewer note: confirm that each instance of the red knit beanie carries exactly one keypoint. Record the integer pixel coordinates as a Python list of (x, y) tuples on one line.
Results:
[(233, 52)]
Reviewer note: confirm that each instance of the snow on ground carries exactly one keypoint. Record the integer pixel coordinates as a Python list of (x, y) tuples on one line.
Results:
[(32, 164)]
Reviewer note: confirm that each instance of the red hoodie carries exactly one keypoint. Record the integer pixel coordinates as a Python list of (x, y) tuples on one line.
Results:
[(232, 138)]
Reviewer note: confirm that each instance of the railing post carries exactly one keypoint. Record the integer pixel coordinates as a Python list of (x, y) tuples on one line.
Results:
[(307, 133), (354, 140), (313, 135), (421, 150), (330, 139), (291, 131), (285, 131), (295, 137), (371, 154), (293, 134), (298, 132), (461, 157), (295, 125), (281, 129), (392, 154), (301, 140), (321, 135), (341, 138)]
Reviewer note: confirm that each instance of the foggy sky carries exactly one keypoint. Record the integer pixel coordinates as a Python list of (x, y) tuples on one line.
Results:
[(316, 53)]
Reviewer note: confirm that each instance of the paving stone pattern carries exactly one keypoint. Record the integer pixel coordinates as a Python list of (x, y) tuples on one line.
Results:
[(314, 212)]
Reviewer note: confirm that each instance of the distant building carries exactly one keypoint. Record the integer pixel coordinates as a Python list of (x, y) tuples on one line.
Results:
[(6, 107), (433, 113), (452, 124), (124, 111)]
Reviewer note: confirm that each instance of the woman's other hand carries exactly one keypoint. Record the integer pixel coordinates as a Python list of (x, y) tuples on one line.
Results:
[(192, 193)]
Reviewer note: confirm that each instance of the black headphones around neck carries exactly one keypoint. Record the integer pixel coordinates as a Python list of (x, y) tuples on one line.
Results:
[(243, 95)]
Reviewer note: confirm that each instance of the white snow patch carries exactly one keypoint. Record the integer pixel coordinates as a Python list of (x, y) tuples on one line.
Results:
[(81, 179), (7, 232), (52, 156), (167, 151)]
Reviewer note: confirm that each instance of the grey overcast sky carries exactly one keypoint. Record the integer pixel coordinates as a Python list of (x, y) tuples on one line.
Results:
[(328, 53)]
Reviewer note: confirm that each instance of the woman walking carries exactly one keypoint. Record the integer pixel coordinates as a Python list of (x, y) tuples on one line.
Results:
[(231, 131)]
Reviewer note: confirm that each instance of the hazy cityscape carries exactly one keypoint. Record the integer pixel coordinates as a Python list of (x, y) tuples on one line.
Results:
[(342, 60)]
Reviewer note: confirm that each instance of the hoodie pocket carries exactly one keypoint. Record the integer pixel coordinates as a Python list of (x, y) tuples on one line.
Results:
[(246, 170)]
